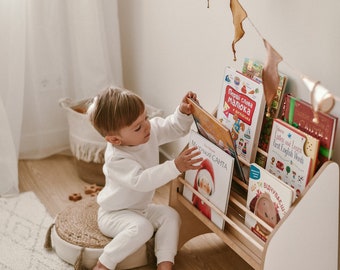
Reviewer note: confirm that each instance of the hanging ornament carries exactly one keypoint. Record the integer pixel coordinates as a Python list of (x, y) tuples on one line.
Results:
[(270, 75), (239, 14), (321, 99)]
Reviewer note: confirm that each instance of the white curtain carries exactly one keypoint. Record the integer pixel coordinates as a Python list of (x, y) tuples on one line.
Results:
[(50, 50)]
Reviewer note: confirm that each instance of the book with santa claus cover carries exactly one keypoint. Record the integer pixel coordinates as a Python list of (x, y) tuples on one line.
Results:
[(241, 109), (268, 198), (212, 180)]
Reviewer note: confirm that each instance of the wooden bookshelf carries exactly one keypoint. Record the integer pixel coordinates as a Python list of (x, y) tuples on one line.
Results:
[(306, 237)]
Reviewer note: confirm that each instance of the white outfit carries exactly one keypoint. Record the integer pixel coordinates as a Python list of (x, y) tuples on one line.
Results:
[(132, 174)]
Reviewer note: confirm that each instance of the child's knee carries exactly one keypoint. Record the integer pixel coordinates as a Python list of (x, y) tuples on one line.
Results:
[(143, 230), (173, 216)]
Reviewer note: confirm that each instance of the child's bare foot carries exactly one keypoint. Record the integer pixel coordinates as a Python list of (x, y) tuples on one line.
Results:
[(100, 266), (165, 266)]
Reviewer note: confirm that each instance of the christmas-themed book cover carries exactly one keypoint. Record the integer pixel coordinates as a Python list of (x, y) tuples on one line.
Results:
[(300, 114), (212, 180), (268, 198), (241, 108), (292, 155), (209, 127)]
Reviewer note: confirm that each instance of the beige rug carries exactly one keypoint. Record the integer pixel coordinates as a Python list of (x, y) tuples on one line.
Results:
[(23, 225)]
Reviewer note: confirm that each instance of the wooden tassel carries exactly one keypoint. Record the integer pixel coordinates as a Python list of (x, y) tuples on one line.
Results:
[(78, 265), (48, 241)]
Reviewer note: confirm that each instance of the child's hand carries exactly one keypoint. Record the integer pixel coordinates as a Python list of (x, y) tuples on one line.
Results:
[(185, 107), (187, 160)]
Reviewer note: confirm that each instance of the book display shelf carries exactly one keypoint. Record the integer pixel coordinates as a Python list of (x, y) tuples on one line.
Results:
[(305, 238)]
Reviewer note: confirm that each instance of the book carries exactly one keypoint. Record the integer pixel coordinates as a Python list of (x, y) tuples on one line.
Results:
[(292, 155), (209, 127), (241, 108), (268, 198), (253, 69), (212, 180), (300, 114)]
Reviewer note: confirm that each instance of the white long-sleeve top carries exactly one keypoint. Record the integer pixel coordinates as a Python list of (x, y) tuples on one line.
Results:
[(132, 173)]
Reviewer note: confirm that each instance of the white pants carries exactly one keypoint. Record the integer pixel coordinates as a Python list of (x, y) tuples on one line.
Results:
[(132, 229)]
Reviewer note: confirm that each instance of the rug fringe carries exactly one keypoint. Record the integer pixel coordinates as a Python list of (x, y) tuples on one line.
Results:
[(48, 241)]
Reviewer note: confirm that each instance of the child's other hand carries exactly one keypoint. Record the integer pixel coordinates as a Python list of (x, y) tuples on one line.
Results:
[(188, 160), (185, 107)]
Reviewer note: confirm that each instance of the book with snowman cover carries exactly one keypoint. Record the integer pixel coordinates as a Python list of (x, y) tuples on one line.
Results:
[(268, 198), (292, 155), (241, 109), (212, 180)]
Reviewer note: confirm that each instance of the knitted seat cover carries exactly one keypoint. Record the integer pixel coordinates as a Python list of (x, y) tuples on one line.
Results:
[(78, 225), (78, 240)]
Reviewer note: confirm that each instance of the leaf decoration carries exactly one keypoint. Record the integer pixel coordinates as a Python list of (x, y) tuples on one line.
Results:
[(270, 75), (239, 14)]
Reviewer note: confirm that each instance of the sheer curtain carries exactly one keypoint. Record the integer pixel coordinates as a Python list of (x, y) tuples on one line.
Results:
[(50, 50)]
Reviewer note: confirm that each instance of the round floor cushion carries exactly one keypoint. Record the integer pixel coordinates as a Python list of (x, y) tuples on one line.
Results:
[(77, 240)]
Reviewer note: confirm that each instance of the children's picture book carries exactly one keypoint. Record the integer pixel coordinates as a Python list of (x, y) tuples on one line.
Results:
[(268, 198), (292, 155), (212, 180), (300, 114), (209, 127), (241, 109), (253, 69)]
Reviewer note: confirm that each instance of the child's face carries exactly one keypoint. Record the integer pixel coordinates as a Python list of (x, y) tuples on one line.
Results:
[(137, 133)]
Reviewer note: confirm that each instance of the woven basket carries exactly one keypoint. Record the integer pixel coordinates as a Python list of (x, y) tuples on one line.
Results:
[(86, 144), (77, 240)]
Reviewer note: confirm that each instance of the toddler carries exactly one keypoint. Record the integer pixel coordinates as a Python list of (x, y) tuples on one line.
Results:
[(132, 172)]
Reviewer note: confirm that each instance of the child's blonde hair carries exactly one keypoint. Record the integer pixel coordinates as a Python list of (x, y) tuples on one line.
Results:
[(113, 109)]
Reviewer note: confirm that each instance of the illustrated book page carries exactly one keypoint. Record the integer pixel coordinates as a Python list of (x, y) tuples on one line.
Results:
[(212, 180)]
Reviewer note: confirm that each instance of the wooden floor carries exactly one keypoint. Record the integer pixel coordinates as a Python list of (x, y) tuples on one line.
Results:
[(53, 179)]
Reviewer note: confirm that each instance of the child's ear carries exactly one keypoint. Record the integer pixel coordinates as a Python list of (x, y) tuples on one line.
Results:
[(115, 140)]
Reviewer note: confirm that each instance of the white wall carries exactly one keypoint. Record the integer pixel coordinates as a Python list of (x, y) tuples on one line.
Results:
[(172, 46)]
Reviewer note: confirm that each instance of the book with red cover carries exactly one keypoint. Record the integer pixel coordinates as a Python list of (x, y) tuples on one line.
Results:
[(299, 114), (292, 155), (241, 109)]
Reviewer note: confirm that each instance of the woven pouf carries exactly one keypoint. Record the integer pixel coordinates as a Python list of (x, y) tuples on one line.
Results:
[(77, 240)]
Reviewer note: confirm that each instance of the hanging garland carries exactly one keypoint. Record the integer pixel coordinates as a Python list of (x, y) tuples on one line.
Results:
[(321, 98)]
